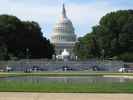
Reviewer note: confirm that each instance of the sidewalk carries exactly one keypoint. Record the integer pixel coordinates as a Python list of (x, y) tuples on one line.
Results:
[(63, 96)]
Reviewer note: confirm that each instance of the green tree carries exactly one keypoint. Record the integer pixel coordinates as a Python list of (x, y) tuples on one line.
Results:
[(18, 35), (87, 47), (114, 35)]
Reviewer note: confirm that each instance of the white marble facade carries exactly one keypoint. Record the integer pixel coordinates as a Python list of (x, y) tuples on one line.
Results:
[(63, 36)]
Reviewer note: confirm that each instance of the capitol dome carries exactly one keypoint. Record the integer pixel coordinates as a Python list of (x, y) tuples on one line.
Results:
[(63, 30)]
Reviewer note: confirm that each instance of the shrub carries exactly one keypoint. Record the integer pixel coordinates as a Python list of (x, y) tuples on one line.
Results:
[(128, 57)]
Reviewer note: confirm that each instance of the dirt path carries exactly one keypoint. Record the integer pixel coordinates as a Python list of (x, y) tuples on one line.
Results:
[(63, 96)]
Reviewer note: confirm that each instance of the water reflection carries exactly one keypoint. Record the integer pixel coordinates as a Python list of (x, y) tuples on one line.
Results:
[(75, 79)]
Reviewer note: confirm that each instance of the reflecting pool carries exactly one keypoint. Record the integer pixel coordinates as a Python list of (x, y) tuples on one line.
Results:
[(68, 79)]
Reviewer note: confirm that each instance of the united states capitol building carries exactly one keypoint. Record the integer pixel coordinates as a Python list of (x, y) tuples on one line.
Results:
[(64, 37)]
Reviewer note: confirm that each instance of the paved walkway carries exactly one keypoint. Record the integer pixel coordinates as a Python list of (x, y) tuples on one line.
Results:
[(63, 96)]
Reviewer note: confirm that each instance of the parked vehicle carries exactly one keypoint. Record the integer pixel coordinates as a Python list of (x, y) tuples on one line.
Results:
[(126, 68), (8, 69)]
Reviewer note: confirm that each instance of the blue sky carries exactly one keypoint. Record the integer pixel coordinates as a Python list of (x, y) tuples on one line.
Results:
[(83, 13)]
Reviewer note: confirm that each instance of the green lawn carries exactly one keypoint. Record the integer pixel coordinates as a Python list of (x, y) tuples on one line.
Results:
[(66, 88)]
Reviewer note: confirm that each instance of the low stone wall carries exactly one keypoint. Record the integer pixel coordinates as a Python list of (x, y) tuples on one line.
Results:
[(50, 65)]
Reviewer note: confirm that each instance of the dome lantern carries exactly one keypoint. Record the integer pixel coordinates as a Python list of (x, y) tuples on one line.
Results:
[(64, 11)]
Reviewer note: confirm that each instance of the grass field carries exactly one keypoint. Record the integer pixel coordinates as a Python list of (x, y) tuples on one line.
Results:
[(66, 88), (59, 87)]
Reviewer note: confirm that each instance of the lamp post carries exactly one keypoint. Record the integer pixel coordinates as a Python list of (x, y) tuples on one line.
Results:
[(103, 54), (27, 57), (27, 53)]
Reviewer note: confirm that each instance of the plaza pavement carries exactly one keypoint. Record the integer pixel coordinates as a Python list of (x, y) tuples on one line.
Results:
[(63, 96)]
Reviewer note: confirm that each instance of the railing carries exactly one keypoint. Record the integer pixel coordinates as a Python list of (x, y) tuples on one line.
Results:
[(50, 64)]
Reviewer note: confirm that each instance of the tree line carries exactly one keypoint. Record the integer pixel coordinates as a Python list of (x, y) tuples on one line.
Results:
[(112, 38)]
